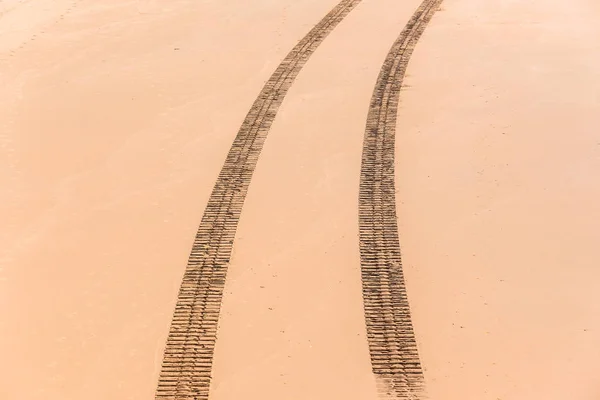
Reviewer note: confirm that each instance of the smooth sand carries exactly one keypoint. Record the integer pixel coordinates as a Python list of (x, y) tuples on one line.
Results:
[(498, 167), (111, 142), (115, 118)]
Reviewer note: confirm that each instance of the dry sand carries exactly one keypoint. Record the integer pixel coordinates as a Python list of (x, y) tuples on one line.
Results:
[(498, 166), (116, 116), (111, 142)]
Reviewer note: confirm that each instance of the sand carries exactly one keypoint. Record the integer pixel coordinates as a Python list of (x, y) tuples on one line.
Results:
[(113, 140), (498, 156), (294, 281), (115, 118)]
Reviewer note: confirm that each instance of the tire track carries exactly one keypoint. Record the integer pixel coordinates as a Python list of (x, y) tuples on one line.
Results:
[(187, 362), (392, 344)]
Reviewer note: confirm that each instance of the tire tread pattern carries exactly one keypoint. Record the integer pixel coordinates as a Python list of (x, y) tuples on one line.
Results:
[(392, 344), (187, 362)]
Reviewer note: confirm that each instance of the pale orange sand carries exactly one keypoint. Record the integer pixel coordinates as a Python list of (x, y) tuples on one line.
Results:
[(116, 117), (498, 174)]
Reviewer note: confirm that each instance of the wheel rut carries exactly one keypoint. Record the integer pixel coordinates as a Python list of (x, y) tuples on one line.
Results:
[(392, 345), (188, 356)]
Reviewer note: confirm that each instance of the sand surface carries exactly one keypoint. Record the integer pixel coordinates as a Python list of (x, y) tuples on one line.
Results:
[(116, 117), (498, 159)]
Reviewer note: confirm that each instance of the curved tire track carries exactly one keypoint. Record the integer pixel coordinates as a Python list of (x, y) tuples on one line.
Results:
[(392, 344), (187, 362)]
